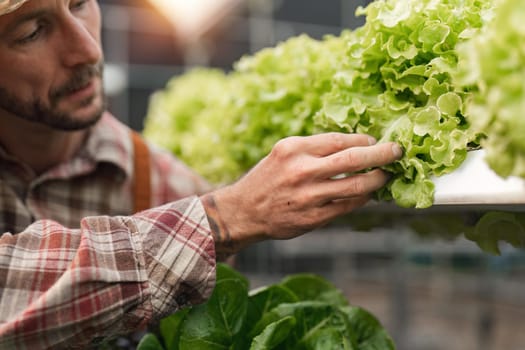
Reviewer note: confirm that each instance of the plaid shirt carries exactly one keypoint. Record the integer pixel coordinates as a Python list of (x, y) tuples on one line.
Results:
[(68, 274)]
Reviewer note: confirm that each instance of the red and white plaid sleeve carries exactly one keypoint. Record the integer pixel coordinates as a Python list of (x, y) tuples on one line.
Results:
[(62, 288)]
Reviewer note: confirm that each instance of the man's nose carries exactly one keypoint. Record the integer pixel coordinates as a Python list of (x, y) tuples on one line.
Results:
[(80, 45)]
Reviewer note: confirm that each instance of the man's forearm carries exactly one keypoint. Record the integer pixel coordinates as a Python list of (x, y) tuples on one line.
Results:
[(225, 246), (120, 272)]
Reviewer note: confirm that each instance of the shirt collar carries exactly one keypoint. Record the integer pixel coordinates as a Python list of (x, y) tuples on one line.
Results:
[(109, 142)]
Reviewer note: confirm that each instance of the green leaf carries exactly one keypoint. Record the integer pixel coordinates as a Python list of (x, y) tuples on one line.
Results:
[(313, 287), (449, 103), (394, 12), (498, 226), (419, 194), (261, 301), (149, 342), (225, 271), (434, 33), (317, 323), (426, 121), (379, 341), (215, 325), (368, 330), (328, 338), (170, 328), (274, 334)]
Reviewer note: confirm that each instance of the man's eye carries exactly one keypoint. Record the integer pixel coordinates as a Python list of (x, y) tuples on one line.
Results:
[(78, 5), (31, 36)]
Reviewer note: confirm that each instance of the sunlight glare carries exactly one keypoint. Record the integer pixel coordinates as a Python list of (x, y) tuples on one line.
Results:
[(191, 18)]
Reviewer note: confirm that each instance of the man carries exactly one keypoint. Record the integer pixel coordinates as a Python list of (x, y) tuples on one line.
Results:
[(75, 264)]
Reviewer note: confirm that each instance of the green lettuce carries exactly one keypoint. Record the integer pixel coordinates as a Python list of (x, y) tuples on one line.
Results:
[(223, 124), (191, 118), (492, 66), (395, 84), (303, 311), (280, 90), (390, 78)]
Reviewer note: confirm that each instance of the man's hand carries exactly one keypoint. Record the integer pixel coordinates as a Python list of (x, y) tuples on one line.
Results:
[(302, 184)]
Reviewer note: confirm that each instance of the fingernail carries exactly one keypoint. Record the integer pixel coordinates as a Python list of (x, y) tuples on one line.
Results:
[(396, 150), (371, 140)]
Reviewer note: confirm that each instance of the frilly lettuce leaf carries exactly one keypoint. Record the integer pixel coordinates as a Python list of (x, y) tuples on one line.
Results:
[(397, 87), (492, 65), (190, 117)]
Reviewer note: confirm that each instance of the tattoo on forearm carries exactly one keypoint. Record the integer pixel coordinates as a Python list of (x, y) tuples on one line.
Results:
[(224, 246)]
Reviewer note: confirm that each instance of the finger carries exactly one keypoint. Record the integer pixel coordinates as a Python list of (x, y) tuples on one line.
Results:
[(345, 206), (328, 143), (357, 185), (356, 159), (335, 208)]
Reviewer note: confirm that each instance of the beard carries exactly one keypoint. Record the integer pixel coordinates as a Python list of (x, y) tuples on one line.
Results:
[(38, 112)]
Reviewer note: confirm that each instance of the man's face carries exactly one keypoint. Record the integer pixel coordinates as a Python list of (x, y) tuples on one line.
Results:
[(51, 63)]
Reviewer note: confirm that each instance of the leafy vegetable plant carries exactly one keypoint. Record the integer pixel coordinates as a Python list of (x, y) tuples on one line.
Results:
[(303, 311), (395, 83), (492, 63), (390, 78)]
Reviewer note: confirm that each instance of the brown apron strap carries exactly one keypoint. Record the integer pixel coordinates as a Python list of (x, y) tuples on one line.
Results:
[(141, 173)]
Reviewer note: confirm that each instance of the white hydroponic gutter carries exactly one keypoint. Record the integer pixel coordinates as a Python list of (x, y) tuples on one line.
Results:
[(475, 183)]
